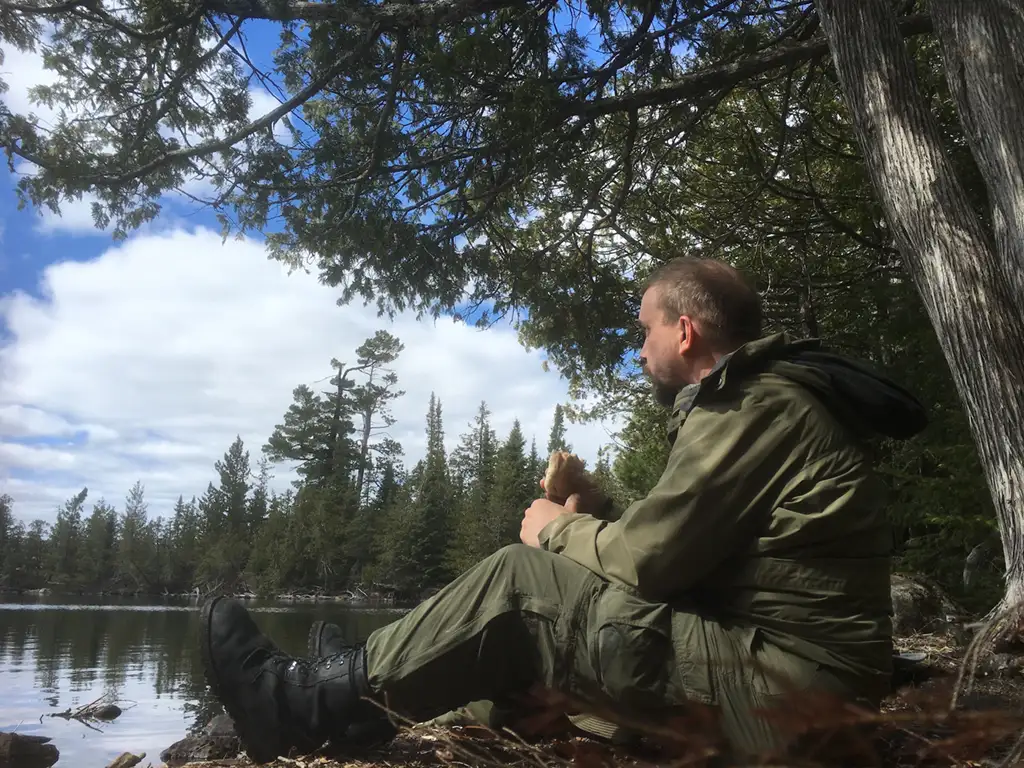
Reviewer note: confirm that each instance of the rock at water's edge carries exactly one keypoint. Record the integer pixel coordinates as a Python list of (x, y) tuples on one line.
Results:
[(19, 750), (127, 760), (217, 742)]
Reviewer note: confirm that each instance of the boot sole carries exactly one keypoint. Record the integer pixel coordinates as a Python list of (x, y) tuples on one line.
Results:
[(313, 640), (258, 746)]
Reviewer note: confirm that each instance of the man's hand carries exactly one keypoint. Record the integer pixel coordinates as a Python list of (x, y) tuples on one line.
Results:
[(539, 514)]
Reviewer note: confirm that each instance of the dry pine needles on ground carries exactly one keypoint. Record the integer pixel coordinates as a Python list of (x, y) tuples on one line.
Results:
[(916, 728)]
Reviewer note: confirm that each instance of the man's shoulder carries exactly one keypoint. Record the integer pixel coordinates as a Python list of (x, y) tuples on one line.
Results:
[(762, 390), (789, 403)]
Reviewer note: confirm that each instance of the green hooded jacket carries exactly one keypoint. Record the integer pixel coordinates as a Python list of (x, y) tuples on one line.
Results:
[(767, 528)]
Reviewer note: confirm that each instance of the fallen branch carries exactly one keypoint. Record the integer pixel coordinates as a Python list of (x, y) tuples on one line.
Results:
[(95, 710)]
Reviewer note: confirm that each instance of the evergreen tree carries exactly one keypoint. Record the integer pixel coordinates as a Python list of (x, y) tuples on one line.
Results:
[(644, 449), (537, 464), (66, 541), (257, 508), (14, 571), (432, 506), (270, 566), (38, 544), (513, 490), (396, 565), (303, 436), (225, 511), (234, 472), (370, 399), (100, 545), (8, 540), (556, 440), (363, 537), (185, 535), (474, 463), (135, 549), (607, 481)]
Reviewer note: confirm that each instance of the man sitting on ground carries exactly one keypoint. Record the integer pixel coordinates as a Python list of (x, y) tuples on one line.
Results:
[(757, 566)]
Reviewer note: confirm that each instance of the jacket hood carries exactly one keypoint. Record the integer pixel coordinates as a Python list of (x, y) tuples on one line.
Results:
[(853, 390)]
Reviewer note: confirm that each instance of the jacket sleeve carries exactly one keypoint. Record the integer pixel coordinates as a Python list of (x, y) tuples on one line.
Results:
[(722, 479)]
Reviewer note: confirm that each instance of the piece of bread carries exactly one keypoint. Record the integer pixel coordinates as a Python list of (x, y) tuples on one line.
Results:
[(566, 475)]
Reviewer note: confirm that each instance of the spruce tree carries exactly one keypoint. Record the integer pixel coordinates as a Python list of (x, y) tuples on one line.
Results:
[(474, 463), (433, 517), (556, 439)]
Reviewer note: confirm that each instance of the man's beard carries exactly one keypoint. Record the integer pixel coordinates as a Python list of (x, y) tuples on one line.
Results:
[(665, 392)]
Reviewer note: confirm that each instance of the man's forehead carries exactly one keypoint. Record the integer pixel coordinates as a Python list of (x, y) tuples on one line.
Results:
[(649, 301)]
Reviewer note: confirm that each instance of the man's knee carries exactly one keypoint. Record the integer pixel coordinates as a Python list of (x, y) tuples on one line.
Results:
[(528, 565), (511, 555), (528, 572)]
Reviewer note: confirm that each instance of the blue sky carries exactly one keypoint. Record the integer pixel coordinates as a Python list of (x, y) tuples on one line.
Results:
[(142, 360)]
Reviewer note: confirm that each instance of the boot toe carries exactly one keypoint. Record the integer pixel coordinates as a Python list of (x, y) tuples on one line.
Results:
[(231, 645)]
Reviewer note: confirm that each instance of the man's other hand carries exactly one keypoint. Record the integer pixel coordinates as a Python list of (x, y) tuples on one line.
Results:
[(539, 514)]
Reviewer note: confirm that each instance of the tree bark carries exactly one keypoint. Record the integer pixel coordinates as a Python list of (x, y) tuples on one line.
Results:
[(983, 53), (969, 286)]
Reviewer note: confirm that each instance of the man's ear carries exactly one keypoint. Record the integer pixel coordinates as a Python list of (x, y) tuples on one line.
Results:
[(686, 334)]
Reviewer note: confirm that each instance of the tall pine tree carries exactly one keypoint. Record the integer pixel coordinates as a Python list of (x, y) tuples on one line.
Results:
[(513, 490), (474, 463), (66, 541), (135, 549), (432, 506), (556, 440)]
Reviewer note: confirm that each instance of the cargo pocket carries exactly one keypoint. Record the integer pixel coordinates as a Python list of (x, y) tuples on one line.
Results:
[(695, 657), (631, 650)]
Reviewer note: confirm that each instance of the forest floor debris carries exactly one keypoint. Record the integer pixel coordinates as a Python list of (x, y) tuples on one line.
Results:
[(915, 727)]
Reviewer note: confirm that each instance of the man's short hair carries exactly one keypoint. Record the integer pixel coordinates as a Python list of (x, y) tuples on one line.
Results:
[(714, 294)]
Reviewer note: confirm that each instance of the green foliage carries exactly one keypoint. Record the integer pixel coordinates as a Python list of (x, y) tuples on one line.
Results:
[(546, 154), (643, 450), (515, 147), (473, 464)]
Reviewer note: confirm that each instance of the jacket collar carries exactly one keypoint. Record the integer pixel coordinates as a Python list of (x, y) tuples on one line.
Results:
[(745, 359)]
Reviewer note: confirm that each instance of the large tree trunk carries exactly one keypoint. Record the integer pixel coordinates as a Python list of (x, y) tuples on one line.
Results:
[(970, 287), (983, 52)]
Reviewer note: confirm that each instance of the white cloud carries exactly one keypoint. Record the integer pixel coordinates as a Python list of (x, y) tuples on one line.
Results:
[(75, 217), (264, 102), (22, 70), (147, 361)]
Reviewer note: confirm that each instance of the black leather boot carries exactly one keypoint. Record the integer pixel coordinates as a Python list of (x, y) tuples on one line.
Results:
[(326, 639), (277, 702)]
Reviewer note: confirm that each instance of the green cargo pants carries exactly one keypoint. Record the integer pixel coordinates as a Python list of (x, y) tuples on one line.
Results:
[(525, 616), (519, 617)]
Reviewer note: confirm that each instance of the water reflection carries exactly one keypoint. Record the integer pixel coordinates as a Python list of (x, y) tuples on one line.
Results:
[(66, 653)]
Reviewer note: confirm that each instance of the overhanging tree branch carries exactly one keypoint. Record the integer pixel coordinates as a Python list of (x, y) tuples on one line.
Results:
[(208, 147), (386, 15), (726, 75)]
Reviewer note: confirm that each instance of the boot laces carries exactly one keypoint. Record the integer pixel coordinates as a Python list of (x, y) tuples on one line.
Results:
[(312, 666)]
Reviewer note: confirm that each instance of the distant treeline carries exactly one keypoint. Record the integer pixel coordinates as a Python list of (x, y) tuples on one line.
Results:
[(355, 519)]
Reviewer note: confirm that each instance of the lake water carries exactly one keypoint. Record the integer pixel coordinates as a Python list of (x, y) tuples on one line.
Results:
[(61, 652)]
